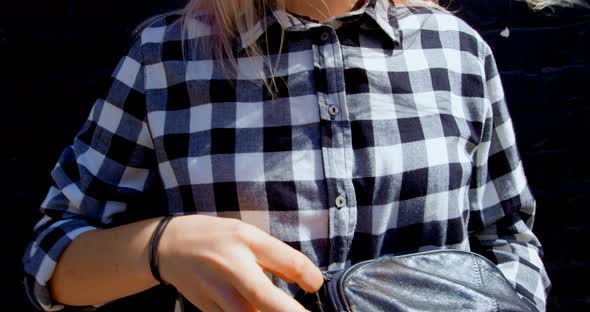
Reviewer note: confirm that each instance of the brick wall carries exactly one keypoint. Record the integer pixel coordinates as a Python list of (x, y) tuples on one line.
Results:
[(69, 48), (545, 67)]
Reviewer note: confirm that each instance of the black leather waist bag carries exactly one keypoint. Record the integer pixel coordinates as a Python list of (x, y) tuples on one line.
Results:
[(442, 280)]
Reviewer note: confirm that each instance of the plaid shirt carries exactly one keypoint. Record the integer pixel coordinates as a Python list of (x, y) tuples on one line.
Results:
[(389, 134)]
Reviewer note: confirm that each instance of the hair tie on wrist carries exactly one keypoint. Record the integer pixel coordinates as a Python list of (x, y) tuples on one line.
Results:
[(153, 248)]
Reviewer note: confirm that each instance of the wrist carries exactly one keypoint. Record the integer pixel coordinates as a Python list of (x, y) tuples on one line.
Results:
[(154, 248)]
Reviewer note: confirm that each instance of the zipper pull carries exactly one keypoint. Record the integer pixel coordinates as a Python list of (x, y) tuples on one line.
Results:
[(327, 276)]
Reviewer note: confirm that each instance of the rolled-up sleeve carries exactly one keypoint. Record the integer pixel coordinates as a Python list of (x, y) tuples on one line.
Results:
[(502, 205), (105, 178)]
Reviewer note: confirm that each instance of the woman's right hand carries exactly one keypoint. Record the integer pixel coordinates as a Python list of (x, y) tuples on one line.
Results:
[(217, 264)]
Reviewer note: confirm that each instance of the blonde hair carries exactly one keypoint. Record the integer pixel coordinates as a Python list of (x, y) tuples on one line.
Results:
[(542, 4), (230, 18)]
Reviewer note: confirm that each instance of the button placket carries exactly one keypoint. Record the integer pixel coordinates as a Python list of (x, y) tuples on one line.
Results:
[(346, 194), (332, 101)]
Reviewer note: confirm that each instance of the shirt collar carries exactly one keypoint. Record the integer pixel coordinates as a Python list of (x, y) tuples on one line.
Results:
[(381, 11)]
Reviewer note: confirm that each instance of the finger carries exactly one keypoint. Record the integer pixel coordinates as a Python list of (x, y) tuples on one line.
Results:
[(261, 292), (223, 293), (229, 299), (278, 274), (203, 303), (216, 308), (285, 261)]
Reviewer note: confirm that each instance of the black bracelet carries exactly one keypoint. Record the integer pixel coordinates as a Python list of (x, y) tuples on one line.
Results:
[(153, 248)]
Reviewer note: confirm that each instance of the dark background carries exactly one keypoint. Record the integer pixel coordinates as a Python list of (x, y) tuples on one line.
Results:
[(56, 56)]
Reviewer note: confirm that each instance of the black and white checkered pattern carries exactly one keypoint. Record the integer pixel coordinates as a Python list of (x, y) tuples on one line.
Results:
[(389, 134)]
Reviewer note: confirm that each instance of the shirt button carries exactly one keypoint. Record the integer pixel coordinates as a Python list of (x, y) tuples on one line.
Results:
[(333, 110), (325, 36), (340, 201)]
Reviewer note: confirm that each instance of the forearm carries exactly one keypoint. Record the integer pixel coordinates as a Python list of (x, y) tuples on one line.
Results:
[(104, 265)]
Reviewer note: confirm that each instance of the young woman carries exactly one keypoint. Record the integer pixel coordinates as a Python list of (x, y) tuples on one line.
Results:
[(287, 137)]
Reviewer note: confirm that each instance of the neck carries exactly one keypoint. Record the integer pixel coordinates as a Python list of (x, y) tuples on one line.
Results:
[(320, 10)]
